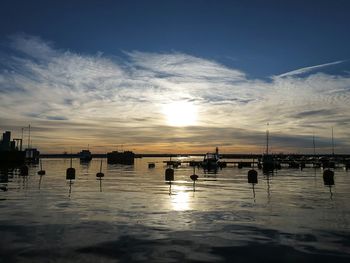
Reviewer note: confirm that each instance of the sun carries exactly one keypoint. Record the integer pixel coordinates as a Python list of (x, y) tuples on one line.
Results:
[(180, 113)]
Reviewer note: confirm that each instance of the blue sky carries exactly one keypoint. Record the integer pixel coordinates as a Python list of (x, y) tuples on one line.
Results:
[(85, 69), (262, 38)]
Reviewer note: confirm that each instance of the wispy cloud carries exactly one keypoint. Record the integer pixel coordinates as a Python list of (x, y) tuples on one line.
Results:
[(308, 69), (74, 100)]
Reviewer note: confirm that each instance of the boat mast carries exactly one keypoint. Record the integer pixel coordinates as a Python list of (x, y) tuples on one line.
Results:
[(267, 139), (22, 139), (332, 142), (29, 136), (313, 142)]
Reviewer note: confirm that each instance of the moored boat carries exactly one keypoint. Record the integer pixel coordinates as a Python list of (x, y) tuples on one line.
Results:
[(85, 156), (126, 157), (211, 160)]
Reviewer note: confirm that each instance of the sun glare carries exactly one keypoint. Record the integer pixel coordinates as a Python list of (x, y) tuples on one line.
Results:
[(180, 113), (180, 198)]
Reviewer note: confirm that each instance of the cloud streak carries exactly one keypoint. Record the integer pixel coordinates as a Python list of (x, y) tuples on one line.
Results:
[(74, 99), (308, 69)]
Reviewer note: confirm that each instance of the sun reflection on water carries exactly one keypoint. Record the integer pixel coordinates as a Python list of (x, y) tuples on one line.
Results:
[(179, 198)]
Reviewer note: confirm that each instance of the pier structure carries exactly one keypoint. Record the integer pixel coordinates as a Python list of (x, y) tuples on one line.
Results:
[(239, 160), (280, 160)]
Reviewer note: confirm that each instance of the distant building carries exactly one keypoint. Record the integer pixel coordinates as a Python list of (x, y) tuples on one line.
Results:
[(5, 143), (9, 151)]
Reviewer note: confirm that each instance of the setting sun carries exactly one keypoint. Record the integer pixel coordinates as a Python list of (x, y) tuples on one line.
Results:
[(180, 113)]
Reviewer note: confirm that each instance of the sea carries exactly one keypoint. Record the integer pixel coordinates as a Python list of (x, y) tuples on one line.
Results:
[(134, 215)]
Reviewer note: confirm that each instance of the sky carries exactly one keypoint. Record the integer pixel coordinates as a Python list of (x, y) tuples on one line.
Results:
[(176, 76)]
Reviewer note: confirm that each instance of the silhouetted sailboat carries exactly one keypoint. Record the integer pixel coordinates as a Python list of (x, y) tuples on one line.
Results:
[(267, 159), (31, 154)]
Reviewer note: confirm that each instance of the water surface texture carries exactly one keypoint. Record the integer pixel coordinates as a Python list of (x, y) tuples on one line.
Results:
[(133, 215)]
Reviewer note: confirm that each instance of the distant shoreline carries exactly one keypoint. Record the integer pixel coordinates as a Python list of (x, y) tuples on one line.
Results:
[(226, 155)]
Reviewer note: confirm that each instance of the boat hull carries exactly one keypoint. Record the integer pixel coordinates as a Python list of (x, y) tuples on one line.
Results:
[(121, 158)]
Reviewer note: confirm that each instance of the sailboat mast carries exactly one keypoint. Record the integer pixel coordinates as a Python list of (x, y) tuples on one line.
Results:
[(332, 142), (29, 136), (21, 139), (267, 140)]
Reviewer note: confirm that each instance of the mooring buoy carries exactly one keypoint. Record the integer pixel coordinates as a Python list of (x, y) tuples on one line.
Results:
[(41, 172), (253, 179), (70, 174), (169, 177), (252, 176), (328, 180), (194, 178), (169, 174), (100, 174), (328, 177)]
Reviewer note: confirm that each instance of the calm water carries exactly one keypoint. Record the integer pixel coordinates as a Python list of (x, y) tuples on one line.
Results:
[(133, 216)]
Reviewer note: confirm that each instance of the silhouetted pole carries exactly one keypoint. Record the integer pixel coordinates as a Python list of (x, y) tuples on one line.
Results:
[(254, 191), (70, 187), (40, 181)]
